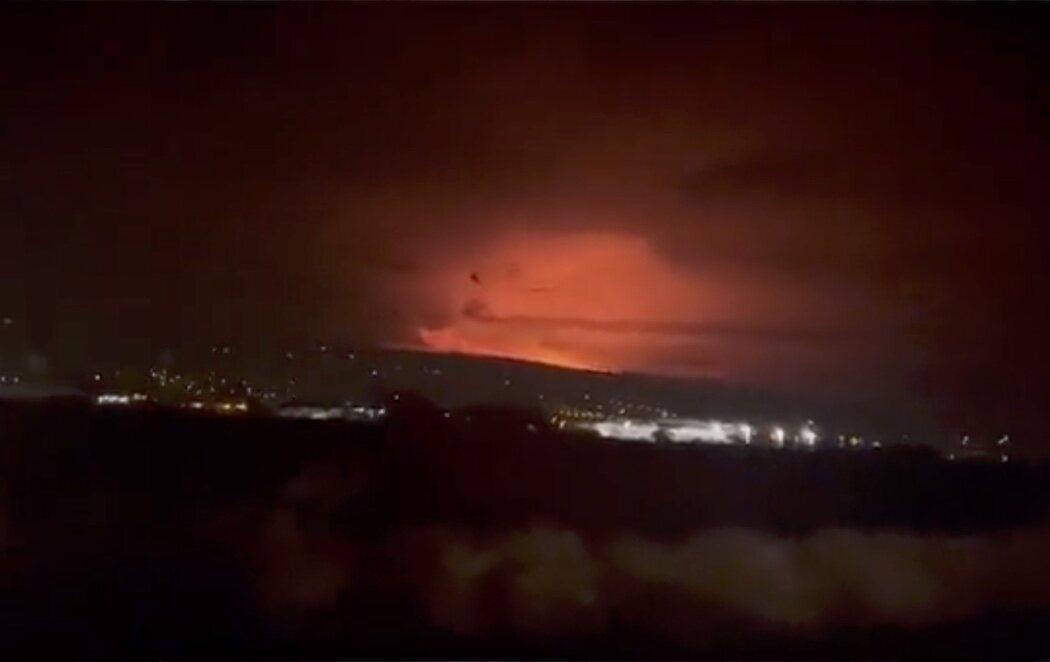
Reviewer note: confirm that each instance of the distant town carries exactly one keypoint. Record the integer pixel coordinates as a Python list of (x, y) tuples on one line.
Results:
[(326, 382)]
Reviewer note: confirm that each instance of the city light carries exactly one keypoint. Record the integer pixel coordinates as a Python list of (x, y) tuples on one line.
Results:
[(592, 411), (674, 430), (711, 432), (112, 399), (777, 436), (626, 430), (808, 435), (745, 431)]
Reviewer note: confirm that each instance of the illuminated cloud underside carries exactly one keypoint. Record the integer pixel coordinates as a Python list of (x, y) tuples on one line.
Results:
[(587, 300)]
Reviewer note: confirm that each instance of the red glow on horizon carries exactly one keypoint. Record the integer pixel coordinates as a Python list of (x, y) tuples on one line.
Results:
[(585, 300), (445, 341)]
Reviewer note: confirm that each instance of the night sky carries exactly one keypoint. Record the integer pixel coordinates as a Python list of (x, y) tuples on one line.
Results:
[(825, 198)]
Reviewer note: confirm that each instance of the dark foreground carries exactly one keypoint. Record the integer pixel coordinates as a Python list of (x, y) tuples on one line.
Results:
[(153, 534)]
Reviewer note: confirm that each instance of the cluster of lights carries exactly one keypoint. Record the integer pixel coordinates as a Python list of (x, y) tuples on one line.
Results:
[(615, 419), (597, 411), (975, 450), (691, 431), (707, 432), (113, 399), (323, 413), (637, 410), (626, 430), (221, 407), (680, 430), (209, 387)]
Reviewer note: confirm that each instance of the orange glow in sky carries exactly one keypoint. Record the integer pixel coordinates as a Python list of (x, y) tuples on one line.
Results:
[(591, 300)]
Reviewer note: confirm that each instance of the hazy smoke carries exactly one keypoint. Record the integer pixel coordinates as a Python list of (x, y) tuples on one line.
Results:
[(544, 582)]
